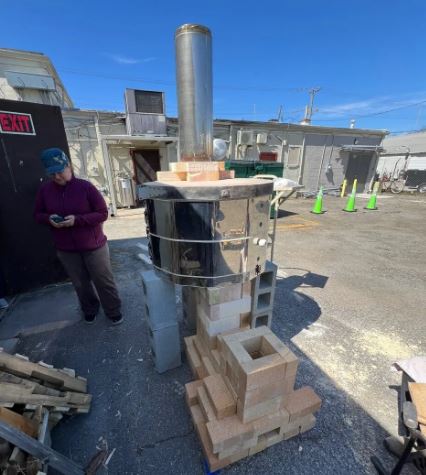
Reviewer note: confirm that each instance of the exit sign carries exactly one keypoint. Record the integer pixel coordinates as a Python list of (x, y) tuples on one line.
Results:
[(16, 123)]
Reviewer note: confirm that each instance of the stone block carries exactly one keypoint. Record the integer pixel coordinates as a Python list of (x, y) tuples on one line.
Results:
[(221, 398)]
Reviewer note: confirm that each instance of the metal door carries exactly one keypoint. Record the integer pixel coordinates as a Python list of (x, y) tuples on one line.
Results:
[(358, 167), (147, 164)]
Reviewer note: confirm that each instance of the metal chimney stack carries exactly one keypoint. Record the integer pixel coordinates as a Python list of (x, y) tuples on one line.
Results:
[(195, 92)]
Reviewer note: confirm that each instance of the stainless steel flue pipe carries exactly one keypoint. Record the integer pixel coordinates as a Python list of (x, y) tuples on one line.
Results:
[(195, 92)]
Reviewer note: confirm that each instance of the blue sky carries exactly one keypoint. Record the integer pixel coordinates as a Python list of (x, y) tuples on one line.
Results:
[(368, 57)]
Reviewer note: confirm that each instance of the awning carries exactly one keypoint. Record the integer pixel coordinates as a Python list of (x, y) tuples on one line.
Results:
[(362, 148), (137, 139)]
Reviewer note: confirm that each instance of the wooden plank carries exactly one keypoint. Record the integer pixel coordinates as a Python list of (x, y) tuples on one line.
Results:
[(418, 396), (19, 394), (39, 450), (21, 367), (35, 387), (19, 422)]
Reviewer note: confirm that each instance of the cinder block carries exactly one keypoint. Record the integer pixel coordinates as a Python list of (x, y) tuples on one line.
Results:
[(256, 411), (191, 394), (165, 347), (261, 319), (205, 404), (159, 300), (299, 426), (263, 289), (221, 398), (226, 309), (218, 295), (302, 402), (229, 432)]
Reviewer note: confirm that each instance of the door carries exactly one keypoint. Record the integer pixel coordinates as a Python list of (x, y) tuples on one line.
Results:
[(147, 164), (358, 167)]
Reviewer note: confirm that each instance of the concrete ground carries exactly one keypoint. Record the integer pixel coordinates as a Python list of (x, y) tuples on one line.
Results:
[(350, 301)]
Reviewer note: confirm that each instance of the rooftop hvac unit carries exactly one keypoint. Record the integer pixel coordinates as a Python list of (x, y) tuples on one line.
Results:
[(245, 137), (145, 112)]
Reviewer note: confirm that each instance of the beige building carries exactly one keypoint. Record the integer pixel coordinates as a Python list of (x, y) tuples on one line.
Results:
[(119, 151)]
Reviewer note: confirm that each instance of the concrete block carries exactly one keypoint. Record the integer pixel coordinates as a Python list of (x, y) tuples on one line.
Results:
[(302, 402), (261, 319), (165, 347), (218, 295), (191, 394), (226, 309), (229, 432), (205, 404), (159, 300), (263, 289), (221, 398), (256, 411)]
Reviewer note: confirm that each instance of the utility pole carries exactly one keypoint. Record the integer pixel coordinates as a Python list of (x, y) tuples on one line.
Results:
[(310, 108)]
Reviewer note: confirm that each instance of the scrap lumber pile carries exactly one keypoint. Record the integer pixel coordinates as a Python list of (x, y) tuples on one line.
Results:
[(243, 399), (34, 397), (196, 171)]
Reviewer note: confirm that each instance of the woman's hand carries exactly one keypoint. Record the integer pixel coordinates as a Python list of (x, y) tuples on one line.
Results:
[(69, 221), (55, 224)]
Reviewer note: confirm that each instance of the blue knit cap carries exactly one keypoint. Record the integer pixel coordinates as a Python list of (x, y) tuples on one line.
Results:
[(54, 160)]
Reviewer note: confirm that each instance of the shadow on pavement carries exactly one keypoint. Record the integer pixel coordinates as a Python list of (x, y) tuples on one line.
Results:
[(143, 415)]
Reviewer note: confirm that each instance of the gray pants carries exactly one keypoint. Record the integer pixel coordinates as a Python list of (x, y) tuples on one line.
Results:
[(89, 268)]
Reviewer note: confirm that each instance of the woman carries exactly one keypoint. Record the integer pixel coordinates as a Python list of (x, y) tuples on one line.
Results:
[(75, 210)]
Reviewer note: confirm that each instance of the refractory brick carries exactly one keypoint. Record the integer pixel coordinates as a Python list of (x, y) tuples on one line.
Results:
[(221, 398), (302, 402)]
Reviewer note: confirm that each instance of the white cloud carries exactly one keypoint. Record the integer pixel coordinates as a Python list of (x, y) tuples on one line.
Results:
[(372, 105), (121, 59)]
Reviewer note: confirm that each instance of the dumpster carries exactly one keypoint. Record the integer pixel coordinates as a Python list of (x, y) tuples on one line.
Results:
[(246, 169)]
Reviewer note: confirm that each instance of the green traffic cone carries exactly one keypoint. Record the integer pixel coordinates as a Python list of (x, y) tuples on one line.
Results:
[(350, 205), (372, 202), (317, 209)]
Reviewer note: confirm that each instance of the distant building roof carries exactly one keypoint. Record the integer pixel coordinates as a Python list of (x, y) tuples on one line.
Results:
[(406, 143)]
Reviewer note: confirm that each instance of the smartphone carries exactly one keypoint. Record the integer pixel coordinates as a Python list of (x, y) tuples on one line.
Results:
[(58, 219)]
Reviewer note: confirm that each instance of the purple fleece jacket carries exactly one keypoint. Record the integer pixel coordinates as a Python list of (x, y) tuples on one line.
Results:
[(80, 198)]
